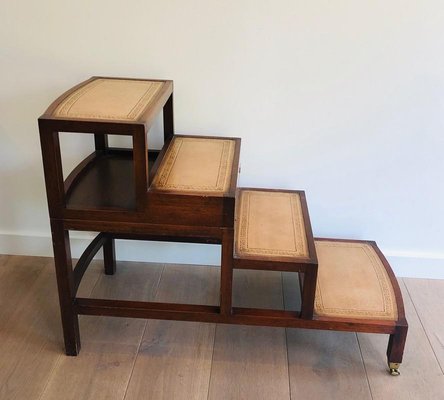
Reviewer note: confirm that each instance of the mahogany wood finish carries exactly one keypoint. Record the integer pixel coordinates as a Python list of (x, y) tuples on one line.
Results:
[(226, 273), (109, 192), (66, 287), (307, 267), (239, 315), (101, 142), (109, 255), (86, 259)]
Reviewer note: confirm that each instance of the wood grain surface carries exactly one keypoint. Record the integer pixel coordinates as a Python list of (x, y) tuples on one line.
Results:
[(322, 364), (110, 345), (134, 359), (251, 362), (421, 376), (31, 343), (174, 360), (428, 297)]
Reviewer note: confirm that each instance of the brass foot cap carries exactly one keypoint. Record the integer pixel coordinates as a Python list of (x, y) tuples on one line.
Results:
[(394, 369)]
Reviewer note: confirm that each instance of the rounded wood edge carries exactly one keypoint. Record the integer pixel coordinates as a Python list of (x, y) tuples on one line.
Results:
[(49, 111), (401, 320)]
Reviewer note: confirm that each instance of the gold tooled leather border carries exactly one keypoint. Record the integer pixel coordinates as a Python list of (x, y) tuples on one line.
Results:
[(390, 311), (299, 236), (63, 109), (222, 183)]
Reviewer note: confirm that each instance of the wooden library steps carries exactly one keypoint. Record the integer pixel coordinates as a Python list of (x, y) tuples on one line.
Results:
[(187, 192)]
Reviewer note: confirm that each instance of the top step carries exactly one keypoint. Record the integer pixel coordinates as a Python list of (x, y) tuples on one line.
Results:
[(100, 99)]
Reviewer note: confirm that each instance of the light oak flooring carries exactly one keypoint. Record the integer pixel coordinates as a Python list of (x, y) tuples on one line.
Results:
[(136, 359)]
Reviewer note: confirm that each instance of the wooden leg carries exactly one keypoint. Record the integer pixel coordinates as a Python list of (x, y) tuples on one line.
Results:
[(395, 349), (308, 293), (168, 119), (226, 272), (109, 256), (101, 142), (65, 284)]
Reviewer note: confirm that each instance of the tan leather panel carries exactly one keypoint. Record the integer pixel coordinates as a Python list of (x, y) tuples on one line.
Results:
[(270, 225), (197, 165), (114, 99), (352, 282)]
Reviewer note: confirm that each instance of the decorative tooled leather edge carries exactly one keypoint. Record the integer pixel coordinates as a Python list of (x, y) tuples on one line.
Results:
[(300, 239), (161, 181), (63, 109), (389, 312)]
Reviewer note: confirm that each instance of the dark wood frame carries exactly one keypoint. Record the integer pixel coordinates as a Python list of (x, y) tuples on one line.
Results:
[(169, 216), (227, 314), (306, 267), (156, 215), (397, 329)]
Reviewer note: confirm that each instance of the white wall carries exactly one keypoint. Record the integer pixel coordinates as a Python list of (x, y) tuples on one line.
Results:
[(344, 99)]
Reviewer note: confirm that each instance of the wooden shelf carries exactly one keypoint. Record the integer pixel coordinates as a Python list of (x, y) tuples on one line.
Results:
[(104, 180)]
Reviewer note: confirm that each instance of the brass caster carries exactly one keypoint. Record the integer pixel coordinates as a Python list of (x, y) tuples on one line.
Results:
[(394, 369)]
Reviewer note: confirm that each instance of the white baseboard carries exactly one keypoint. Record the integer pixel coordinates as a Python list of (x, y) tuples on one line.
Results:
[(413, 265), (158, 252), (416, 266)]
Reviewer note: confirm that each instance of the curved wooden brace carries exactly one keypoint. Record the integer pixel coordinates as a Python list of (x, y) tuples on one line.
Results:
[(86, 259)]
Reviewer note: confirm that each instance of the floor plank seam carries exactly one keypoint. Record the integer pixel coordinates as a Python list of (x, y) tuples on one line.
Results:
[(422, 325), (59, 358), (141, 337), (51, 374), (365, 368), (135, 360), (286, 338), (212, 358), (99, 277), (50, 379), (288, 364)]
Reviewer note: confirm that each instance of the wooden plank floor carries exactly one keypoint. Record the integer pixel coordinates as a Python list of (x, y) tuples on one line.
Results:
[(127, 359)]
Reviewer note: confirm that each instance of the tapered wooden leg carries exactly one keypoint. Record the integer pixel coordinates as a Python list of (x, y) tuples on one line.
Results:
[(226, 272), (308, 293), (109, 256), (64, 274), (101, 141), (168, 119), (395, 349)]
